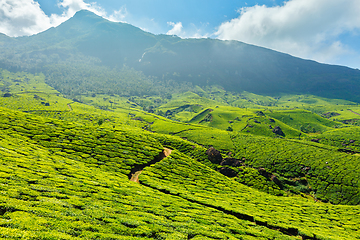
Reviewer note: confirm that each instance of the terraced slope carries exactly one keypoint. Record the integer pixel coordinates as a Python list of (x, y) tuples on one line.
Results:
[(305, 121), (331, 174), (117, 149), (303, 166), (59, 198), (346, 140), (181, 176), (70, 181), (67, 191)]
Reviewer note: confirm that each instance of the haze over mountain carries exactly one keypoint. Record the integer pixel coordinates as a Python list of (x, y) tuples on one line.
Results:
[(234, 65)]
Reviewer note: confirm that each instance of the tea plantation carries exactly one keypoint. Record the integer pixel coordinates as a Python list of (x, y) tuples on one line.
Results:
[(65, 165)]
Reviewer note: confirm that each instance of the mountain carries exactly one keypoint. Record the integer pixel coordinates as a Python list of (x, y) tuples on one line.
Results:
[(233, 65)]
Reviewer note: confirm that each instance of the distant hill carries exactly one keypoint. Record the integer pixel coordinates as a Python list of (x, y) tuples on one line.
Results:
[(234, 65)]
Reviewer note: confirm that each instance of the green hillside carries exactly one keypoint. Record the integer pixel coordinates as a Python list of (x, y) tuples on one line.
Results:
[(66, 169), (305, 121), (70, 181), (227, 128)]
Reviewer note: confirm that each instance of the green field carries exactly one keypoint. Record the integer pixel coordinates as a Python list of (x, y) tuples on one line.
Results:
[(65, 165)]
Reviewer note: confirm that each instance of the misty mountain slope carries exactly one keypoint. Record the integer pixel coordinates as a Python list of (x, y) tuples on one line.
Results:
[(4, 39), (113, 43), (238, 66), (234, 65)]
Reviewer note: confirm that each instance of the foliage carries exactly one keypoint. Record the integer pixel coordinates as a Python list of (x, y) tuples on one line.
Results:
[(304, 121), (77, 80), (346, 140), (65, 176), (329, 172), (54, 197), (181, 176)]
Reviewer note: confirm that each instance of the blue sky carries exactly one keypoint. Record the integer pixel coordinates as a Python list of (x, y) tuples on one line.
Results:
[(327, 31), (203, 16)]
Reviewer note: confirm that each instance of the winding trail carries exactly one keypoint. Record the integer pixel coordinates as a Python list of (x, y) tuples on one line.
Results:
[(134, 176), (354, 112), (289, 231)]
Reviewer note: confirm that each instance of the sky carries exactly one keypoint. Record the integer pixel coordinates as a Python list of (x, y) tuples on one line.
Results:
[(327, 31)]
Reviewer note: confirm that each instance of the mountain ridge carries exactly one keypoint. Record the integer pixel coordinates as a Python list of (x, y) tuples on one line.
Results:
[(233, 65)]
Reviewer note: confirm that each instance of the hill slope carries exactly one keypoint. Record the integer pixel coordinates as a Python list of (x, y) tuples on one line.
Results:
[(70, 181)]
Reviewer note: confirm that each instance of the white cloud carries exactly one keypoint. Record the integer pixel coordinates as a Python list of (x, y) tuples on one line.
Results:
[(196, 32), (25, 17), (73, 6), (198, 35), (176, 30), (120, 15), (22, 17), (304, 28), (190, 32)]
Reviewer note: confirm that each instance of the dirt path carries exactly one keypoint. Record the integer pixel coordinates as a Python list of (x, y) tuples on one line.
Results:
[(354, 112), (135, 176), (70, 107), (165, 153)]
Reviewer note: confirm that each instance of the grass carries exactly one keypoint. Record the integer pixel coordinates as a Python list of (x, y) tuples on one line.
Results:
[(65, 165), (193, 181), (305, 121), (72, 190), (346, 139), (329, 172)]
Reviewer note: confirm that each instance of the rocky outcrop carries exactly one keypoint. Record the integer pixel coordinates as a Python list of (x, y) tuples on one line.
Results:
[(233, 162), (227, 172), (214, 155), (277, 130), (260, 113), (330, 114), (272, 177)]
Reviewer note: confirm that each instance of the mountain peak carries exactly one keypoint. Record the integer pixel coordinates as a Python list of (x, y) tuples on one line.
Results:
[(85, 13), (87, 16), (83, 21)]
